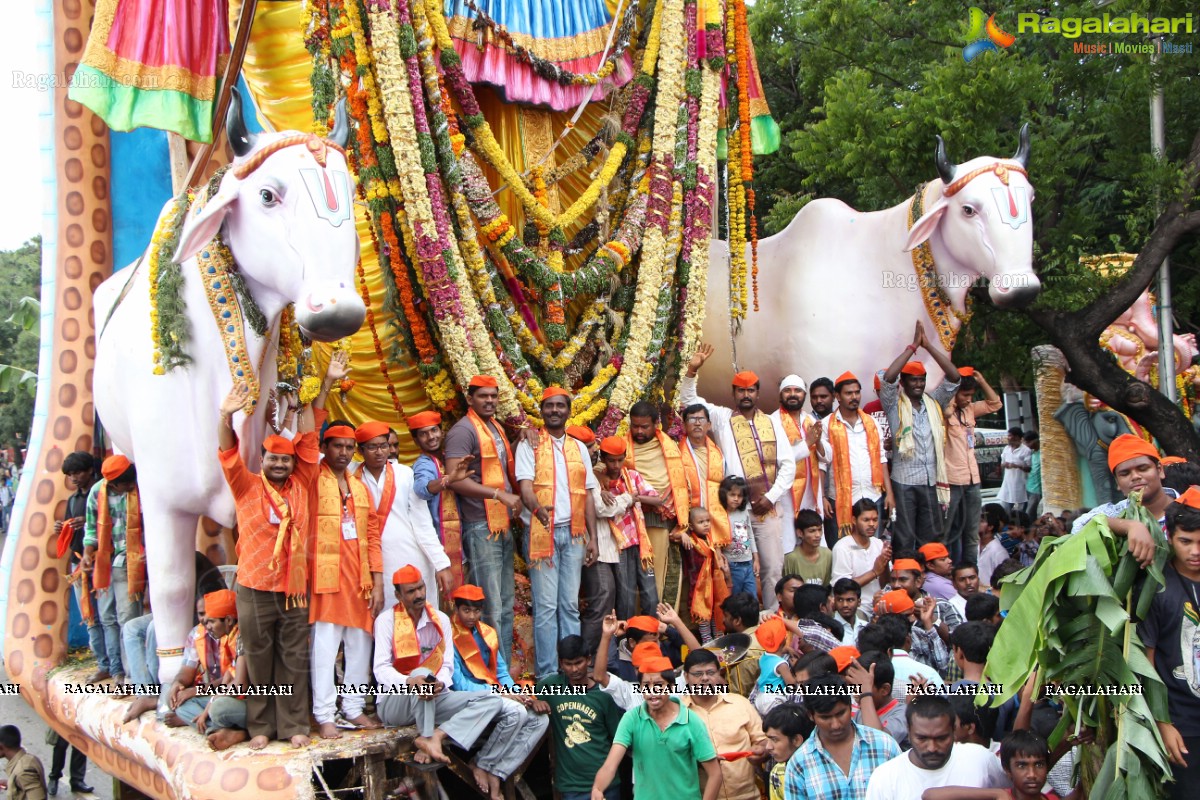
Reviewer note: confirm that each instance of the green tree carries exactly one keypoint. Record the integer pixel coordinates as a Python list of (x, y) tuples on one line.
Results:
[(22, 271), (860, 89)]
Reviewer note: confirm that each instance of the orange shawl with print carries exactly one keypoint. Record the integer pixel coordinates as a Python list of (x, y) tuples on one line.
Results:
[(675, 474), (406, 649), (843, 480), (645, 548), (468, 648), (545, 481), (811, 468), (492, 471), (706, 493), (450, 525), (135, 547), (327, 550)]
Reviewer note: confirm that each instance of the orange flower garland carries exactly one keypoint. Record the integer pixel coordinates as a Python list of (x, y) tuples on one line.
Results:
[(742, 50)]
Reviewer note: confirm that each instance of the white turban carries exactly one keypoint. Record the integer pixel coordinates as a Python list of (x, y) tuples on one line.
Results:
[(793, 382)]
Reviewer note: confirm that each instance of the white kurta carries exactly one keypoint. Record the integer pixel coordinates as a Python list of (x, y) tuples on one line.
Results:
[(813, 490), (408, 535)]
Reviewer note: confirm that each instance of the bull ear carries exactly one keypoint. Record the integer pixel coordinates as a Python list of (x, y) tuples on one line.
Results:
[(923, 228), (200, 227)]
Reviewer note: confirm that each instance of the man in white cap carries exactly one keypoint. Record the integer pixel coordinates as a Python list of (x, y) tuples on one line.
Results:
[(804, 433)]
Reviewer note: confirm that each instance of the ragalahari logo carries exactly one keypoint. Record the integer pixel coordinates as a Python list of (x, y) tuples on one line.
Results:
[(984, 35)]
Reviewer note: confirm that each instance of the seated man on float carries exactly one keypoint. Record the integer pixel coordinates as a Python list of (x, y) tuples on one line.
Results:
[(223, 721), (480, 667), (201, 659), (414, 668)]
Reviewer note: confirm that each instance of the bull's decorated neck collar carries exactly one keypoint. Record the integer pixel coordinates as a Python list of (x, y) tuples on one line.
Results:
[(315, 144), (937, 302), (1001, 169)]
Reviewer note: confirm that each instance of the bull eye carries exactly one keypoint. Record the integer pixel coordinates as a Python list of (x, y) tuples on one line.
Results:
[(969, 210), (268, 197)]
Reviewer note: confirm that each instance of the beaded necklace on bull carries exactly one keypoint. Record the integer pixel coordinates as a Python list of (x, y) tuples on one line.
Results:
[(937, 301)]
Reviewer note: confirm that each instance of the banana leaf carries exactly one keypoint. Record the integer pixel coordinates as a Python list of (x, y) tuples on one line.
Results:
[(1072, 616)]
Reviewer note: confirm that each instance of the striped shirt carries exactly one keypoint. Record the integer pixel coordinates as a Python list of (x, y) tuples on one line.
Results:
[(918, 468), (812, 772)]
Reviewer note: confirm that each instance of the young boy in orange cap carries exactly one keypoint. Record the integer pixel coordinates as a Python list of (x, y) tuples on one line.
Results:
[(1135, 466), (774, 669), (114, 549)]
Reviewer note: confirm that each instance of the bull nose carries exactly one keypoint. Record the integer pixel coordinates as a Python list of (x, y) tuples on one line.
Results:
[(330, 314), (1017, 294)]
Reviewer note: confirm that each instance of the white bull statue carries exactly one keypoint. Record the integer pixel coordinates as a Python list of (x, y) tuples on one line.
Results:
[(839, 289), (284, 209)]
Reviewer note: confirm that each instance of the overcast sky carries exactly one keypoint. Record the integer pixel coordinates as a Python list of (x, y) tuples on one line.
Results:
[(21, 199)]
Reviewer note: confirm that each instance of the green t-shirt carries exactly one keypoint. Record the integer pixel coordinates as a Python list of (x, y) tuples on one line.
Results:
[(582, 726), (1033, 483), (811, 571), (665, 762)]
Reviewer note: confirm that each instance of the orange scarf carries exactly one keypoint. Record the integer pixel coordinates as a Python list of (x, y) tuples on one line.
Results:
[(645, 548), (706, 493), (200, 637), (135, 549), (297, 585), (468, 650), (844, 487), (492, 471), (710, 589), (756, 448), (811, 468), (450, 527), (85, 593), (228, 647), (406, 649), (675, 474), (387, 497), (327, 553), (545, 481)]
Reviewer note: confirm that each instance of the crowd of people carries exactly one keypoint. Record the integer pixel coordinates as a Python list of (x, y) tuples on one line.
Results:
[(797, 604)]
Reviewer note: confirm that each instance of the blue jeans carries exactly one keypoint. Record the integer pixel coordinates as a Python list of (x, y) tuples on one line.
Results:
[(491, 568), (116, 609), (962, 522), (554, 583), (95, 629), (741, 574), (141, 650), (190, 709)]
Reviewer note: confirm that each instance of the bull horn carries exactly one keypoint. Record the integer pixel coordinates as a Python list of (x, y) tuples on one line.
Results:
[(240, 139), (1022, 154), (341, 125), (944, 167)]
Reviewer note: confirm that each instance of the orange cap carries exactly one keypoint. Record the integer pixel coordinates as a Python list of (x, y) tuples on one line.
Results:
[(220, 604), (913, 368), (1190, 498), (896, 601), (467, 592), (483, 382), (771, 634), (878, 382), (338, 432), (906, 564), (843, 655), (642, 623), (1168, 460), (933, 550), (279, 446), (966, 372), (406, 574), (643, 651), (846, 376), (424, 419), (582, 433), (114, 467), (613, 445), (554, 391), (656, 664), (1127, 447), (369, 430), (745, 380)]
